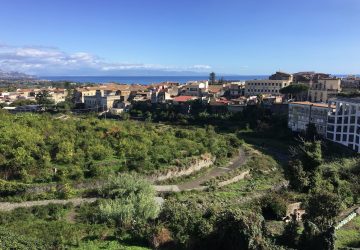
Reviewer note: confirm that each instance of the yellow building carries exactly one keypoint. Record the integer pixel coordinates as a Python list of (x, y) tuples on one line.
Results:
[(325, 88)]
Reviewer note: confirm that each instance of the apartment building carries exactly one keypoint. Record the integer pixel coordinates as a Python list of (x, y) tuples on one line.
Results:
[(324, 89), (303, 113), (343, 125), (271, 86)]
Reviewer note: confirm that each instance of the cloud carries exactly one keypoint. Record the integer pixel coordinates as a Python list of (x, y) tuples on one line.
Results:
[(52, 61)]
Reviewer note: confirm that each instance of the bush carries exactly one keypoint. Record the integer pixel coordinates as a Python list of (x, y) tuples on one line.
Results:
[(11, 188)]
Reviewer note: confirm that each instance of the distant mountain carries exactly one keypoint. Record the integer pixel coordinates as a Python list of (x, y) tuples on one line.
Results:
[(14, 75)]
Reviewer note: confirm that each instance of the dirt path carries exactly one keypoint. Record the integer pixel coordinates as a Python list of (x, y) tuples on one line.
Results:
[(7, 206), (235, 163)]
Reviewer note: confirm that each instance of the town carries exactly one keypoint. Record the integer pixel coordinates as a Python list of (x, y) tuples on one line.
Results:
[(330, 103)]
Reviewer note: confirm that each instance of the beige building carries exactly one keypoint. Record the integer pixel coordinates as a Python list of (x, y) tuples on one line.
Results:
[(324, 89), (261, 87), (303, 113), (101, 101)]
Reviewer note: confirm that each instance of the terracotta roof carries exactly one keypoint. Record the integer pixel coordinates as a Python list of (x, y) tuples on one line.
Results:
[(183, 98), (215, 88)]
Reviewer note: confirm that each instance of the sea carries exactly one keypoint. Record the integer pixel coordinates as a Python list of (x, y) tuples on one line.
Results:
[(146, 79)]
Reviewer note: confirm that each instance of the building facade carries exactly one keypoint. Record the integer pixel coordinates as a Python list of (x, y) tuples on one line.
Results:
[(101, 101), (261, 87), (301, 114), (343, 125), (324, 89), (236, 89)]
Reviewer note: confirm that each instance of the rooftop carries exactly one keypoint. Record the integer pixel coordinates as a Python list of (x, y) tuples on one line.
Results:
[(321, 105)]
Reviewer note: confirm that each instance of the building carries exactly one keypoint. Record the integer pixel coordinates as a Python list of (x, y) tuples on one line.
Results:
[(350, 83), (101, 101), (343, 125), (197, 88), (303, 113), (281, 76), (271, 86), (324, 89), (261, 87), (236, 89)]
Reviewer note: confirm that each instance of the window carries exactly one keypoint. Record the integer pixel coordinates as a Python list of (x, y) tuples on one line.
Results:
[(352, 129), (357, 139), (351, 138), (338, 136), (345, 128), (344, 137), (346, 120), (339, 120), (330, 136), (338, 128), (352, 119)]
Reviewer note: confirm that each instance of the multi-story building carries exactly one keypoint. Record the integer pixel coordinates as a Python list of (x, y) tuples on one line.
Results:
[(261, 87), (272, 86), (350, 83), (303, 113), (324, 89), (236, 89), (101, 101), (343, 125)]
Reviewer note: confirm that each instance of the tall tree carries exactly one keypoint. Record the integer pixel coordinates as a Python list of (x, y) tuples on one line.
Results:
[(44, 98), (212, 78)]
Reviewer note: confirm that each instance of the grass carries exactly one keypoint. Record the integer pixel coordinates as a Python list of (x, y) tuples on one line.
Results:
[(349, 235)]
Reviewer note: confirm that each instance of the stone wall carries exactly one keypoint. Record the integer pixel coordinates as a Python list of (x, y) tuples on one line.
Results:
[(204, 161)]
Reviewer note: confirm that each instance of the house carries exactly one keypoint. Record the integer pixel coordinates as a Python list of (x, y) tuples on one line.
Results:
[(325, 88), (343, 125), (303, 113), (196, 88)]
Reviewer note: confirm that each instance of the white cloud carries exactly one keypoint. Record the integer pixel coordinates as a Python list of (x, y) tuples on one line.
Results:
[(49, 61)]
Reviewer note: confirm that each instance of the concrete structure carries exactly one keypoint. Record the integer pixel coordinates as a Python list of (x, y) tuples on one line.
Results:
[(303, 113), (343, 125), (324, 89)]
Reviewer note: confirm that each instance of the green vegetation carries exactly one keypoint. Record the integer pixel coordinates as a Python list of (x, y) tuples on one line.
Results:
[(349, 235), (39, 148)]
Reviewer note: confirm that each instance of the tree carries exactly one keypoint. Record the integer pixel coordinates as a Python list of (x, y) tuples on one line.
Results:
[(322, 208), (43, 98), (294, 89), (212, 78), (130, 199), (236, 229), (304, 165)]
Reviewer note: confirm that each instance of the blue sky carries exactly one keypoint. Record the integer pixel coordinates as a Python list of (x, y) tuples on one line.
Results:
[(120, 37)]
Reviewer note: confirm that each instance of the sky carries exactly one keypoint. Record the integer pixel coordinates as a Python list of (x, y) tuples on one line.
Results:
[(155, 37)]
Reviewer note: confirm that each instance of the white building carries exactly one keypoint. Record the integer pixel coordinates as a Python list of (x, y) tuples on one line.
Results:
[(343, 124), (195, 88)]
